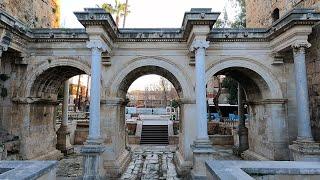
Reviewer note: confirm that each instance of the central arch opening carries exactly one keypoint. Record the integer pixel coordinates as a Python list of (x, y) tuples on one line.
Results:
[(152, 109)]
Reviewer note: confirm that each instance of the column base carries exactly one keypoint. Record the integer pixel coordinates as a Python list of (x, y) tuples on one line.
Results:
[(92, 162), (202, 151), (305, 151), (183, 167), (63, 140)]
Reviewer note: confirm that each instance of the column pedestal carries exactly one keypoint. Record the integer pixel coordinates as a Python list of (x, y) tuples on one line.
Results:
[(305, 151), (63, 140), (92, 161), (202, 151)]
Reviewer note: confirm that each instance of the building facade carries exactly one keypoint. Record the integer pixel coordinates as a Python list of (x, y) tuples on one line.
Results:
[(35, 63)]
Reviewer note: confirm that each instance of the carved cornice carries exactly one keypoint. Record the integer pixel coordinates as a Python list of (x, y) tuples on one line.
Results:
[(98, 16), (19, 34)]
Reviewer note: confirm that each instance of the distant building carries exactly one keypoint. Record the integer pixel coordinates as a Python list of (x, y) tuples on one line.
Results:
[(212, 90), (152, 99)]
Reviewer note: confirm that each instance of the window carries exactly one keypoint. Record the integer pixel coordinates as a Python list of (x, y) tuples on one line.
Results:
[(275, 15)]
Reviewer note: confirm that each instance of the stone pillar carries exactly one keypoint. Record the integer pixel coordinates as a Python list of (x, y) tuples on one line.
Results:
[(116, 159), (187, 135), (202, 148), (304, 147), (199, 46), (93, 148), (242, 129), (303, 114), (63, 133)]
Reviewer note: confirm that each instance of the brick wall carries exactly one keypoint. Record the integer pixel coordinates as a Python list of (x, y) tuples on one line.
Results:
[(34, 13)]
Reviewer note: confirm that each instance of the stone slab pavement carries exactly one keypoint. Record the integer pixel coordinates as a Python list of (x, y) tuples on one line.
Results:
[(151, 162)]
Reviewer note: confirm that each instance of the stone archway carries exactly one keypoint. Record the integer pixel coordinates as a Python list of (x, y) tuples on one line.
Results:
[(178, 76), (112, 111), (39, 104), (268, 129)]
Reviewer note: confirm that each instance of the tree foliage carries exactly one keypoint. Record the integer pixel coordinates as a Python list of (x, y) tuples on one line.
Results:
[(118, 9), (240, 21), (232, 87)]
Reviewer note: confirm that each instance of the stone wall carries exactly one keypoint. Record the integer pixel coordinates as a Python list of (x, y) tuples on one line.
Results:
[(259, 11), (34, 13)]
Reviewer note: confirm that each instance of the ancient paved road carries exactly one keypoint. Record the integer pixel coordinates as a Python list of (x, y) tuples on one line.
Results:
[(151, 162), (148, 162)]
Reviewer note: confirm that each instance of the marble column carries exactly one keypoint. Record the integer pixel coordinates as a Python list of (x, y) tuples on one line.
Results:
[(63, 133), (199, 47), (304, 148), (202, 148), (92, 150), (303, 114), (242, 129), (97, 47)]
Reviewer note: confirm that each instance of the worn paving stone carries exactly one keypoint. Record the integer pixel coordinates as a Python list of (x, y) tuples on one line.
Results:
[(153, 163)]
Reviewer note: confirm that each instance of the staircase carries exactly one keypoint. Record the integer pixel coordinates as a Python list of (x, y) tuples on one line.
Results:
[(154, 134)]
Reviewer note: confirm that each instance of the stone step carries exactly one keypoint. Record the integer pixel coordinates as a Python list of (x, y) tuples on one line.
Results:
[(154, 134)]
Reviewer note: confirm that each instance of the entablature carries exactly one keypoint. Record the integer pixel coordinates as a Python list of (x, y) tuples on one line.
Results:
[(293, 27)]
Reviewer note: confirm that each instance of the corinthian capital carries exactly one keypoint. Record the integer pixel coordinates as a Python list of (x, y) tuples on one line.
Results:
[(197, 44), (300, 46), (97, 44)]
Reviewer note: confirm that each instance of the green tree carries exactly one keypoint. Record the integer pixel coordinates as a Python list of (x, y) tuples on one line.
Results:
[(232, 87), (119, 10)]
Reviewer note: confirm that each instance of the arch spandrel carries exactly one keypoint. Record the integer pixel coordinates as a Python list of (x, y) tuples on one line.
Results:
[(274, 88), (175, 72)]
